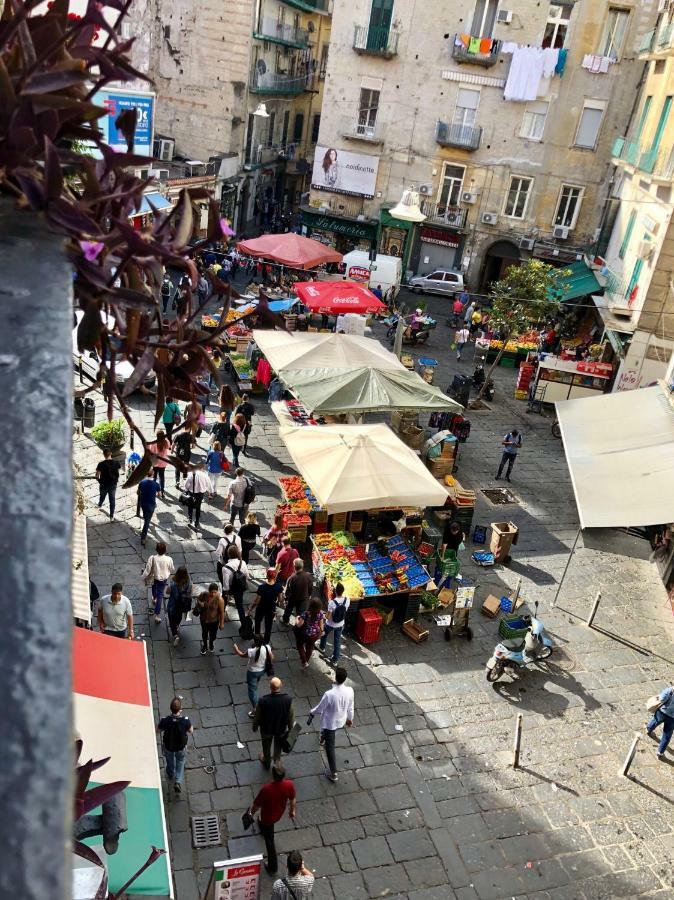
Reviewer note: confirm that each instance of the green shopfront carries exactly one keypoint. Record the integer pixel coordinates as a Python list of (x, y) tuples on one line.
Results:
[(396, 237), (342, 233)]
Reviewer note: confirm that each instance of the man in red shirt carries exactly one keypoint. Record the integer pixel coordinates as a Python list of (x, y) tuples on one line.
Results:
[(271, 801), (285, 560)]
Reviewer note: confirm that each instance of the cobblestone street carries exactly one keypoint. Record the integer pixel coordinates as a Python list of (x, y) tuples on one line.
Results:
[(427, 804)]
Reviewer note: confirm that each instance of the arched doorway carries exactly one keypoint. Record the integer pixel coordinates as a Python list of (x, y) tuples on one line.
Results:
[(499, 257)]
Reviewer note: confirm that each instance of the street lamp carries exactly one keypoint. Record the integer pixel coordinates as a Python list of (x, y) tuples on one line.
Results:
[(261, 111), (409, 208)]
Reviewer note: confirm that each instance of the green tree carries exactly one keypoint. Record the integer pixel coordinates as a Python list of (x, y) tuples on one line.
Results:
[(525, 297)]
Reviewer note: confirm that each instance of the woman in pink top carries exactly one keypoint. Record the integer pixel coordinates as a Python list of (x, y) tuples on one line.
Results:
[(160, 448)]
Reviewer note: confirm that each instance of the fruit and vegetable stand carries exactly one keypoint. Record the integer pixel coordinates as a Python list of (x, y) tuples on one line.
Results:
[(516, 348), (241, 371)]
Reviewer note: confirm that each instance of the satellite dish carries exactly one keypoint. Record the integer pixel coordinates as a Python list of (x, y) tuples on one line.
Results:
[(261, 66), (311, 27)]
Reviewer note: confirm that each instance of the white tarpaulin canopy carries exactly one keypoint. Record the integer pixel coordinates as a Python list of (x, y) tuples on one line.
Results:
[(313, 350), (351, 467), (620, 452)]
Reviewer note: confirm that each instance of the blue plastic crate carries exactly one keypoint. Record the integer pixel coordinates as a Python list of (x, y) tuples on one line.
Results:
[(506, 604)]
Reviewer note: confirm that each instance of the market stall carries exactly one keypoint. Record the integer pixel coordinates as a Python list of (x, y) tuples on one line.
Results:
[(565, 379), (290, 249), (311, 350), (337, 297)]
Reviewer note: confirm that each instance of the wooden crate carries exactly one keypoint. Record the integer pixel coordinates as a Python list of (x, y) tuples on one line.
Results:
[(414, 631)]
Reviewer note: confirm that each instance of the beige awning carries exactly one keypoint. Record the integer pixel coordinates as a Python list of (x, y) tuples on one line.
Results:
[(620, 453), (80, 580), (317, 350)]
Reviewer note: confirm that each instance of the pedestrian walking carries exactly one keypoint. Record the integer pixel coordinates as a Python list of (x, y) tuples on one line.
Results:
[(220, 431), (212, 615), (308, 629), (215, 465), (182, 449), (247, 410), (196, 485), (229, 539), (336, 710), (170, 417), (202, 289), (334, 622), (237, 494), (249, 534), (475, 321), (107, 475), (271, 801), (234, 579), (179, 602), (298, 883), (273, 539), (274, 717), (115, 615), (158, 569), (461, 338), (174, 730), (160, 450), (664, 716), (147, 504), (265, 602), (285, 560), (297, 591), (237, 436), (511, 443), (166, 291), (227, 401), (260, 657), (468, 314)]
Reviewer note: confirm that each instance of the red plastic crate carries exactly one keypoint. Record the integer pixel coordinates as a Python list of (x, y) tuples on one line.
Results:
[(368, 626)]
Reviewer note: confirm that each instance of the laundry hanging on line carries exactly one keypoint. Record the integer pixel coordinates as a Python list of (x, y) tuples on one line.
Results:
[(596, 64), (530, 71)]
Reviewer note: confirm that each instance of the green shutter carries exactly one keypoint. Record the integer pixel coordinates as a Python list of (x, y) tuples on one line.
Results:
[(628, 234)]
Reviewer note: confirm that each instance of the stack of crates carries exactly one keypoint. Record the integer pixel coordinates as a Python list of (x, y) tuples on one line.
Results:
[(368, 626), (464, 516), (448, 565)]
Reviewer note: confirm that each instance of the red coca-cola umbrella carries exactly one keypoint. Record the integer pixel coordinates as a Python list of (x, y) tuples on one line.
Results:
[(335, 297), (290, 249)]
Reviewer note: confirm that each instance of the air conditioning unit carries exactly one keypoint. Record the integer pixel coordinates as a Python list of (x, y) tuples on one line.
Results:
[(561, 232), (504, 16), (489, 219), (527, 243), (468, 197), (166, 149), (646, 250), (425, 189)]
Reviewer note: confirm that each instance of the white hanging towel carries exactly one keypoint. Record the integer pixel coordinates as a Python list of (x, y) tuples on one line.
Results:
[(526, 71)]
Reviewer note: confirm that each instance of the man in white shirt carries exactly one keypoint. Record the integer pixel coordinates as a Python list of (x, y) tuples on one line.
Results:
[(236, 497), (115, 615), (197, 484), (158, 570), (336, 710), (461, 338)]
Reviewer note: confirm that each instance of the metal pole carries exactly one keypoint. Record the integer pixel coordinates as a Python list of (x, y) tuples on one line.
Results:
[(566, 568), (516, 593), (518, 741), (630, 756), (595, 607)]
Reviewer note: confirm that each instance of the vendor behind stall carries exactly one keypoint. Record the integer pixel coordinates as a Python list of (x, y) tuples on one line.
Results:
[(452, 537)]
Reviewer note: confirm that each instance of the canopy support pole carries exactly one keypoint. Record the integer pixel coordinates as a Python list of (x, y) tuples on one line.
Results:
[(566, 567)]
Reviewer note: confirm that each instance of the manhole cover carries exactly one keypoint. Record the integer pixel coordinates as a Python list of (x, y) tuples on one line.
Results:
[(205, 831), (499, 496)]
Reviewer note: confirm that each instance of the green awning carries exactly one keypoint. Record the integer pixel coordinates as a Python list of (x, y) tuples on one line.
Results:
[(579, 283)]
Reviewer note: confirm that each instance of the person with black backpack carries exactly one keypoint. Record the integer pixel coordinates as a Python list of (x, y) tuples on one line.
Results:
[(334, 623), (175, 730), (239, 497), (179, 601), (260, 662), (234, 576)]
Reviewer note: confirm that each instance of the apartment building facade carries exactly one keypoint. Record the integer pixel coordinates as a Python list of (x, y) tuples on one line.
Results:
[(638, 265), (509, 164)]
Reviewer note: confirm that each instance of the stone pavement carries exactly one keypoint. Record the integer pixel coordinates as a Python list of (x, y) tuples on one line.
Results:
[(427, 805)]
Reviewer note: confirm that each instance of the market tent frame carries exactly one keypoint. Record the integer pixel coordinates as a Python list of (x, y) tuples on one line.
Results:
[(620, 453), (290, 249), (353, 467), (366, 389), (315, 350)]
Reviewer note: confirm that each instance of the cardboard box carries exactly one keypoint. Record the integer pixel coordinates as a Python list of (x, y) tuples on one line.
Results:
[(491, 607)]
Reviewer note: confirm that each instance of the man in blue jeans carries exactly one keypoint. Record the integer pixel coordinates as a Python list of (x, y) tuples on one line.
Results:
[(334, 623), (663, 716), (147, 503), (175, 729), (511, 443)]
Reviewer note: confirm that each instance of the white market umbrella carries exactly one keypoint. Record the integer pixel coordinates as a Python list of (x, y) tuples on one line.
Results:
[(314, 350)]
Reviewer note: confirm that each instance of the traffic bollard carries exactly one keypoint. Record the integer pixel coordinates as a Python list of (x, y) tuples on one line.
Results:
[(518, 741), (629, 759), (595, 607)]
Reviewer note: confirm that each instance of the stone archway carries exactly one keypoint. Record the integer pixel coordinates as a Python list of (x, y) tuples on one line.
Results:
[(500, 256)]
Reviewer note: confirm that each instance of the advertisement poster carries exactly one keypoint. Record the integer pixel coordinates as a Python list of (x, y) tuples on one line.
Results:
[(116, 101), (344, 172), (238, 879)]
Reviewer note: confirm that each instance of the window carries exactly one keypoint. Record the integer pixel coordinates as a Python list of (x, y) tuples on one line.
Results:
[(588, 125), (285, 128), (436, 276), (249, 137), (298, 129), (465, 112), (557, 26), (367, 112), (315, 127), (270, 132), (615, 32), (450, 188), (643, 118), (533, 122), (517, 197), (484, 18), (628, 234), (568, 205)]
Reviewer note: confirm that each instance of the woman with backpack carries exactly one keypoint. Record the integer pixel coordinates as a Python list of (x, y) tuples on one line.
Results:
[(308, 629), (237, 437), (334, 623), (179, 601), (260, 661), (234, 577)]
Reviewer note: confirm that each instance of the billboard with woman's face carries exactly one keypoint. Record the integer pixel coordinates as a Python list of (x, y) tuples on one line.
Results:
[(344, 172)]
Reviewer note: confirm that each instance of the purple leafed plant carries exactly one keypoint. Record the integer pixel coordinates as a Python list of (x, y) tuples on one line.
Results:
[(51, 67)]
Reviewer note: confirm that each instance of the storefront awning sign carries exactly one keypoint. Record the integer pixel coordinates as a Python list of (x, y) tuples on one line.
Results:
[(440, 236)]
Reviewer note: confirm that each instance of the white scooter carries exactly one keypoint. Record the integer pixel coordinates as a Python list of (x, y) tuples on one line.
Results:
[(521, 652)]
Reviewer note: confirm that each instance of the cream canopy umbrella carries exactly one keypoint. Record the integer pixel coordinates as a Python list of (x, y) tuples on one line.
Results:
[(313, 350), (350, 467)]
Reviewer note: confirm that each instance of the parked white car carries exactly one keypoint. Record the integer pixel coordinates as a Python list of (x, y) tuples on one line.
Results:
[(440, 281)]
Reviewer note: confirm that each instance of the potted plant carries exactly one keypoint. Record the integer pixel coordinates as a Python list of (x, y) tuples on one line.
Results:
[(109, 435)]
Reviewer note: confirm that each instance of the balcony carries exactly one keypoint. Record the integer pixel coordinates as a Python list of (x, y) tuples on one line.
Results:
[(654, 161), (625, 151), (276, 83), (462, 54), (281, 33), (441, 214), (310, 6), (369, 134), (658, 41), (467, 137), (347, 207), (375, 41)]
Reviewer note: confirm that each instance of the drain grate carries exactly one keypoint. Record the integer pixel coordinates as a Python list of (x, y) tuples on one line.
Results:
[(205, 831), (499, 496)]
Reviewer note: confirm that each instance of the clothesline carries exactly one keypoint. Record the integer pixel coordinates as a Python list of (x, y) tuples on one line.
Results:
[(531, 70)]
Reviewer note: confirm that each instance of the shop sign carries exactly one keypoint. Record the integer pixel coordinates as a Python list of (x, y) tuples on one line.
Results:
[(116, 102), (339, 226), (595, 368), (237, 879), (440, 237), (359, 273), (344, 172)]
